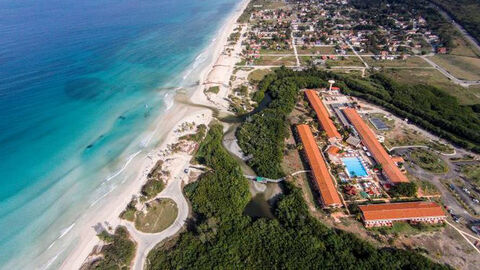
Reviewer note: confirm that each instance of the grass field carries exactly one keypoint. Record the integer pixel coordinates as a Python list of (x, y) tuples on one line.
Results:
[(257, 75), (462, 67), (412, 61), (267, 51), (472, 172), (463, 48), (345, 61), (466, 96), (160, 214), (316, 50), (276, 61), (428, 160)]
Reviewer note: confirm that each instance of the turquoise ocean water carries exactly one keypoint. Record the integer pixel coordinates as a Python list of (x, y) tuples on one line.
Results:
[(79, 81)]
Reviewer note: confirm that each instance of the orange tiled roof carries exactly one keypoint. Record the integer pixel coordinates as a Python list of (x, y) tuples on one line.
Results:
[(322, 114), (370, 141), (333, 150), (406, 210), (318, 166)]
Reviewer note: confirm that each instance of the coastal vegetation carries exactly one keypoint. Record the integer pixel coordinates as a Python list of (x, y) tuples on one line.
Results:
[(222, 236), (154, 184), (213, 89), (197, 136), (118, 251)]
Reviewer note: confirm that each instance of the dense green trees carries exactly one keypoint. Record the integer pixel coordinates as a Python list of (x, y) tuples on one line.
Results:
[(117, 253), (224, 185), (221, 237), (404, 190), (465, 12), (262, 135)]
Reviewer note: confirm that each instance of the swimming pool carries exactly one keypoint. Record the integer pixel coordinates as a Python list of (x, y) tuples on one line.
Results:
[(354, 167)]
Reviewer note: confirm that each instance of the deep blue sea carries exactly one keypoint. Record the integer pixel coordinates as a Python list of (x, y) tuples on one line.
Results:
[(79, 81)]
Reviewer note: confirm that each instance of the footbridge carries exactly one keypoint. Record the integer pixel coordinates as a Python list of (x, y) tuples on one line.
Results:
[(264, 180)]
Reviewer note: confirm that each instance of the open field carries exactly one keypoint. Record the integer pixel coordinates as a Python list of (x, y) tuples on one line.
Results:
[(428, 161), (463, 48), (345, 61), (412, 61), (276, 61), (257, 75), (282, 51), (160, 214), (462, 67), (466, 96), (472, 172), (316, 50)]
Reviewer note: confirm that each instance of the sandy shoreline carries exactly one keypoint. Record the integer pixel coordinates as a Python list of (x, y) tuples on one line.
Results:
[(216, 72)]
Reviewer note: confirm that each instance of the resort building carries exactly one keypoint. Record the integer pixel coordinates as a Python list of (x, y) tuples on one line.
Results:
[(377, 215), (323, 115), (390, 169), (321, 176)]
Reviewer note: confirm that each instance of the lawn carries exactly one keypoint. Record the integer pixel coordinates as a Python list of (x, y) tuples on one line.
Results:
[(404, 228), (462, 67), (160, 215), (466, 96), (412, 61), (428, 161), (472, 172)]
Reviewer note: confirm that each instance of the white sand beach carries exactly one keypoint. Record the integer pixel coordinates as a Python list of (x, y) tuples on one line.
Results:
[(106, 212)]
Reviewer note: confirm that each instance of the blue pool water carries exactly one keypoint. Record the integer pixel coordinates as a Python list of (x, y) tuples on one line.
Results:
[(80, 82), (354, 167)]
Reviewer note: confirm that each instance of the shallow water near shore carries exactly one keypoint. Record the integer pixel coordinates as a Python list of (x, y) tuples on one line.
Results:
[(81, 84)]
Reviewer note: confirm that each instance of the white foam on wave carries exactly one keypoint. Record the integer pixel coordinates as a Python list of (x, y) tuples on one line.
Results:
[(66, 230), (62, 234), (50, 261), (130, 158), (117, 173), (101, 197)]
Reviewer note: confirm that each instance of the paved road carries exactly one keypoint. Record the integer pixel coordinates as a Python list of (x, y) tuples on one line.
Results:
[(147, 241), (447, 74)]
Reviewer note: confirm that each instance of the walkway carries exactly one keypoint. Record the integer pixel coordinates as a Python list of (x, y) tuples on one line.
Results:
[(295, 49), (265, 180)]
